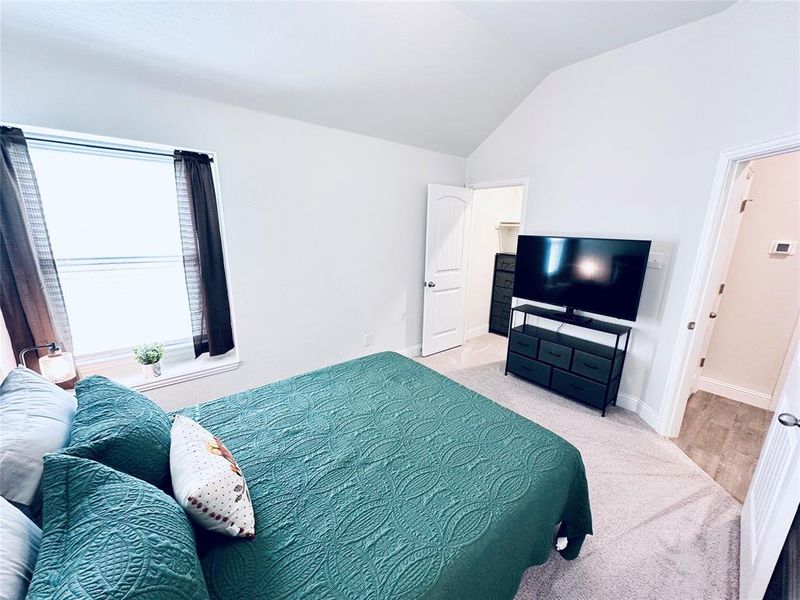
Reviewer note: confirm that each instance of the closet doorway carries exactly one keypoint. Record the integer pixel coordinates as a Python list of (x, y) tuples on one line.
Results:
[(496, 221)]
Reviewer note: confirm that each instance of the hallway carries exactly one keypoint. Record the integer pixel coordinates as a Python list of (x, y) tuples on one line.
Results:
[(724, 438)]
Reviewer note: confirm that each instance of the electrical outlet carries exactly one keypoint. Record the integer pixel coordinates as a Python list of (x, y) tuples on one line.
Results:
[(367, 339), (655, 260)]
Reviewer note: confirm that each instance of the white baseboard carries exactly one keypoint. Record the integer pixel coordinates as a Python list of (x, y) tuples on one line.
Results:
[(416, 350), (627, 402), (412, 351), (634, 404), (648, 415), (735, 392), (474, 332)]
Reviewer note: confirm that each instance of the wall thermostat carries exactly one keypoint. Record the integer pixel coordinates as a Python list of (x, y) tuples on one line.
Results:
[(783, 247)]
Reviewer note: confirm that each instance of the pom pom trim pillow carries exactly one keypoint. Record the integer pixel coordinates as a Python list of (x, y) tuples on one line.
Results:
[(207, 482), (121, 428), (109, 535)]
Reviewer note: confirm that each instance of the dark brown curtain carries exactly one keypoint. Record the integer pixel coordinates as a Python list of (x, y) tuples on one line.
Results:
[(30, 292), (203, 264)]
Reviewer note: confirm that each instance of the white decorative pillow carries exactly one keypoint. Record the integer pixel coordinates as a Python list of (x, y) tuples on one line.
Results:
[(36, 418), (18, 551), (207, 482)]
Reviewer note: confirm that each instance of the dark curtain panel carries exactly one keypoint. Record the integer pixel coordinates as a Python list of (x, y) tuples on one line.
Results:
[(203, 264), (31, 299)]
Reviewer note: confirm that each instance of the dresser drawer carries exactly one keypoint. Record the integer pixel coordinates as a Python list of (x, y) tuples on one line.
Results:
[(503, 280), (523, 344), (529, 369), (591, 366), (503, 295), (555, 354), (498, 325), (583, 389), (500, 309), (506, 263)]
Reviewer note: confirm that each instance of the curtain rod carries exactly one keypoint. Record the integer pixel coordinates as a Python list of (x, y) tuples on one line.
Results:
[(101, 147)]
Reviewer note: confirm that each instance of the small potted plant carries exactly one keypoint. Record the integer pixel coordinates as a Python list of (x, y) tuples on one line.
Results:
[(149, 356)]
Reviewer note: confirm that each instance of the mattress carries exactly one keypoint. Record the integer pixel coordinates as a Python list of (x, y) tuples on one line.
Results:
[(379, 478)]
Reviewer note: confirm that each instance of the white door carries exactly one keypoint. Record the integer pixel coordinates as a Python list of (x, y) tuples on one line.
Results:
[(446, 251), (774, 493), (722, 260)]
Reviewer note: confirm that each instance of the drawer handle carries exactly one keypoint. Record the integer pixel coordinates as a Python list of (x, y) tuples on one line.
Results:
[(556, 354), (576, 387), (524, 344), (588, 366)]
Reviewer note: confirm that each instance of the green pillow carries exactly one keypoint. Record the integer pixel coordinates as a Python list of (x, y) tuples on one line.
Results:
[(121, 428), (108, 535)]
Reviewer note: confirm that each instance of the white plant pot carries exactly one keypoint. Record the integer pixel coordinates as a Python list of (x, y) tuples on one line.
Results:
[(152, 371)]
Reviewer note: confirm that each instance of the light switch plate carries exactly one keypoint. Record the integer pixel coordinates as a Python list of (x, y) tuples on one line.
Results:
[(655, 260)]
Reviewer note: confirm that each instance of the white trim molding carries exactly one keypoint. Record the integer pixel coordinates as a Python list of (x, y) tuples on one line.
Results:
[(636, 405), (523, 182), (412, 351), (686, 349), (474, 332), (187, 375), (735, 392), (179, 365)]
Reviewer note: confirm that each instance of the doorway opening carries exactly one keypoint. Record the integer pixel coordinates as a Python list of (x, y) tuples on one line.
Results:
[(748, 335), (773, 494), (495, 226)]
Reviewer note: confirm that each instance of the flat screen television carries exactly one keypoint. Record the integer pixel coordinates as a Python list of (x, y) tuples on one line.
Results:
[(596, 275)]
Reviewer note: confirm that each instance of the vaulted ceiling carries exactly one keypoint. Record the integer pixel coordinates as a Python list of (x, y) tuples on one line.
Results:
[(438, 75)]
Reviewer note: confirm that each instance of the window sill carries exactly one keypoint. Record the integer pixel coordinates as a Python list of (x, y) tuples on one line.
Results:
[(129, 373), (181, 372)]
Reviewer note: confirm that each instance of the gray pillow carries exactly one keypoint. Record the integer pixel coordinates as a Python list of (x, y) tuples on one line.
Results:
[(18, 552), (35, 418)]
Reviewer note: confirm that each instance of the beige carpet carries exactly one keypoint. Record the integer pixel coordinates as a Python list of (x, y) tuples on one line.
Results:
[(663, 529)]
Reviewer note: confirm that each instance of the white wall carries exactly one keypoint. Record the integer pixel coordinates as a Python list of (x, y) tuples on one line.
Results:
[(626, 144), (761, 301), (489, 207), (325, 229)]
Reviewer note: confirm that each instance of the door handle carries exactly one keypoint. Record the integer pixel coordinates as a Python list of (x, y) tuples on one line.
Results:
[(712, 315), (789, 420), (431, 284)]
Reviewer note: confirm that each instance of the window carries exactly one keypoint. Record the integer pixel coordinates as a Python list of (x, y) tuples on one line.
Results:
[(112, 217)]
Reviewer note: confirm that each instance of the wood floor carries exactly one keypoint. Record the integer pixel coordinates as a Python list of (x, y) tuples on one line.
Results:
[(724, 438)]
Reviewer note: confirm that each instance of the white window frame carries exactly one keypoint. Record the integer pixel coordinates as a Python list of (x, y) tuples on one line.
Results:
[(179, 362)]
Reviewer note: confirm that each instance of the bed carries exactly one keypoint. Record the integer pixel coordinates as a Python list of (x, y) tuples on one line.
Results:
[(379, 478)]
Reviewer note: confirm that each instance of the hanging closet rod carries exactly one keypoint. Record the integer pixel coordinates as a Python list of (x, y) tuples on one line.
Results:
[(102, 147)]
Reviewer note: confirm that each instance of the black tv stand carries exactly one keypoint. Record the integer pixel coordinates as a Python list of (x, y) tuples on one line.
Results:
[(580, 368)]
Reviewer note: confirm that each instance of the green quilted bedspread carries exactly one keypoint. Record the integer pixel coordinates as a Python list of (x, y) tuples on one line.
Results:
[(379, 478)]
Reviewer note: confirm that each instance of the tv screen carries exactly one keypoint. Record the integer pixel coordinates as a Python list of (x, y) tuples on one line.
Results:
[(591, 274)]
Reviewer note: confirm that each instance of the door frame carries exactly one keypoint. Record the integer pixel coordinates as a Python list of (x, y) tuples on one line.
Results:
[(700, 286), (522, 182), (788, 359)]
